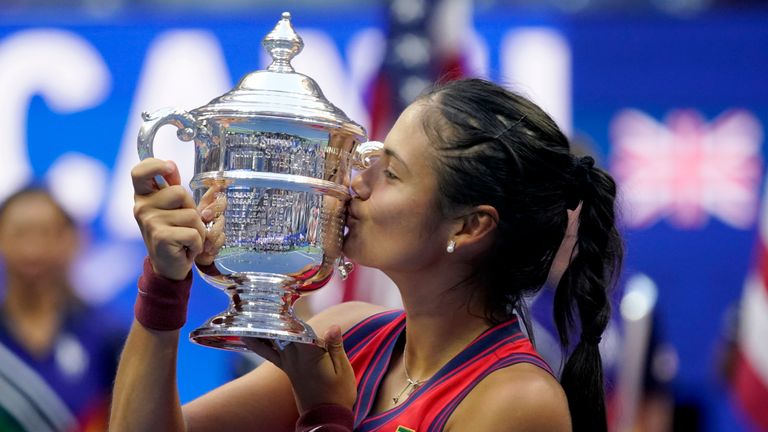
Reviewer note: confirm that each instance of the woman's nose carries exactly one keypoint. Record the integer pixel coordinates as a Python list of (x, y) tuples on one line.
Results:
[(358, 188)]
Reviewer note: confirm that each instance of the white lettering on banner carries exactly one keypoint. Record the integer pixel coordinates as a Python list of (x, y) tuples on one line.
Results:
[(184, 69), (537, 61), (63, 68), (78, 182), (365, 55)]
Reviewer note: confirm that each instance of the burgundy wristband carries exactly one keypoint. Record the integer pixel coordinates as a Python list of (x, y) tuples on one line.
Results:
[(161, 303), (326, 418)]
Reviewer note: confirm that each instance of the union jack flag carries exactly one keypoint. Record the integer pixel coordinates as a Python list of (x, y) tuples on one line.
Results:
[(686, 169)]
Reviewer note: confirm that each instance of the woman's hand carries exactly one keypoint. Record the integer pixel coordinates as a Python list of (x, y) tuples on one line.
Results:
[(171, 225), (319, 376), (211, 208)]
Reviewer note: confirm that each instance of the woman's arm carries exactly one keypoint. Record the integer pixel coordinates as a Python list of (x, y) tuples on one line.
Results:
[(264, 398), (145, 395)]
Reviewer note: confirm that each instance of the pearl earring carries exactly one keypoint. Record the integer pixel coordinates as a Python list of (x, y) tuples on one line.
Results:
[(451, 246)]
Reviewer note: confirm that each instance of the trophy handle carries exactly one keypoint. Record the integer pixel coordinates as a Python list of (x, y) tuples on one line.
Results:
[(345, 268), (153, 121), (366, 154)]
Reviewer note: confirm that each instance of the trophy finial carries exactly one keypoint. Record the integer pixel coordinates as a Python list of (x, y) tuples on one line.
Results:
[(283, 44)]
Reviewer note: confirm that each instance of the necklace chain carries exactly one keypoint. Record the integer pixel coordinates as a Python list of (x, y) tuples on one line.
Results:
[(411, 385)]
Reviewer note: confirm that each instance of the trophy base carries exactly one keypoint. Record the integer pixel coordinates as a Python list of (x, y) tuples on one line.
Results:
[(260, 310), (229, 334)]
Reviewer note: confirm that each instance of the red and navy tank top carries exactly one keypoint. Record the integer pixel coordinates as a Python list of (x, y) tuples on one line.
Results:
[(369, 345)]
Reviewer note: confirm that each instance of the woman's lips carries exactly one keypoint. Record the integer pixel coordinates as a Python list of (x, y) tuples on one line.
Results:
[(351, 214), (351, 218)]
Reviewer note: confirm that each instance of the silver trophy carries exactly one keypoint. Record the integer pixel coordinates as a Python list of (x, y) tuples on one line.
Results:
[(274, 156)]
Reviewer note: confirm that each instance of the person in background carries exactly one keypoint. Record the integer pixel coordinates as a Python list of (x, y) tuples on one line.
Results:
[(58, 357)]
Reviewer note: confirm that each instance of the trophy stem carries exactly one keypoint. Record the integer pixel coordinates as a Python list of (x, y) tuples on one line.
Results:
[(257, 309)]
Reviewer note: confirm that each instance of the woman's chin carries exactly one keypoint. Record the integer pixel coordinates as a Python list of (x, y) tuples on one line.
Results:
[(348, 249), (351, 248)]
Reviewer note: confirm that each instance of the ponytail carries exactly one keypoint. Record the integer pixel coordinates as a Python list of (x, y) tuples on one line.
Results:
[(583, 290)]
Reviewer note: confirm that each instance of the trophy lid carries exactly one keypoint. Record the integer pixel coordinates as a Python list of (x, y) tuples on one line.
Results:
[(279, 91)]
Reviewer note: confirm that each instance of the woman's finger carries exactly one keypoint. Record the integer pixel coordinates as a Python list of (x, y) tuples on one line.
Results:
[(173, 197), (143, 175), (214, 241), (212, 202), (265, 349), (153, 220), (335, 346), (176, 241)]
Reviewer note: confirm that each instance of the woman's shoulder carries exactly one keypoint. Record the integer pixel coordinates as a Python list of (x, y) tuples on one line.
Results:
[(521, 397), (345, 315)]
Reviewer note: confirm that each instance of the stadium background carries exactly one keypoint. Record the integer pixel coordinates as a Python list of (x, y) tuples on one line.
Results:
[(620, 79)]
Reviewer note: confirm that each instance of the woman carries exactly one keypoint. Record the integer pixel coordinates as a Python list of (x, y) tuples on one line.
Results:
[(57, 356), (465, 211)]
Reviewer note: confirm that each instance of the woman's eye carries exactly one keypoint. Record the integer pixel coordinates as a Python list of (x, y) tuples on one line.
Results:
[(388, 174)]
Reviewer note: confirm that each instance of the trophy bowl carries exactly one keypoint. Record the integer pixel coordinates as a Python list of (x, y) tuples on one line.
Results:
[(274, 158)]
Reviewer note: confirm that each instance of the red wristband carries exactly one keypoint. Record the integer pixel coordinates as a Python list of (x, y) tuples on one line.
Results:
[(162, 302), (326, 418)]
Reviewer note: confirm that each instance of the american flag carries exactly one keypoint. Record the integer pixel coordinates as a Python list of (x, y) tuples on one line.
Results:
[(423, 45), (750, 372), (685, 169)]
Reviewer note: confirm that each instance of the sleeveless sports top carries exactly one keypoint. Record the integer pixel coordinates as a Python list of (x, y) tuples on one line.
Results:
[(369, 345)]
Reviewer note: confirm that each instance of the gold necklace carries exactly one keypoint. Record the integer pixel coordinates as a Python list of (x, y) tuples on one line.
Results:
[(412, 384)]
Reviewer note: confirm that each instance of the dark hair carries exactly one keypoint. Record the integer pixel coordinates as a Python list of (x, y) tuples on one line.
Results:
[(497, 148), (38, 189)]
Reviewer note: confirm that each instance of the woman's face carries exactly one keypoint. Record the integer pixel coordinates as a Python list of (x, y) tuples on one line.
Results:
[(394, 222), (35, 238)]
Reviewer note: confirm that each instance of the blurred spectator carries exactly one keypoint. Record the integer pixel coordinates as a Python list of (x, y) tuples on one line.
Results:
[(57, 356)]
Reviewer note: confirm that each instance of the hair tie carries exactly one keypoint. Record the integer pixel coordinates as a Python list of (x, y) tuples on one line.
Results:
[(591, 339), (587, 162), (581, 169)]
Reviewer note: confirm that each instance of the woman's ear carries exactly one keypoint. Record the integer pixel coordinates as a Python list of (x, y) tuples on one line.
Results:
[(476, 228)]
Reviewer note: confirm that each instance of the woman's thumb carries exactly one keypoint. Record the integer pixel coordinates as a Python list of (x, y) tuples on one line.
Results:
[(333, 340), (335, 347)]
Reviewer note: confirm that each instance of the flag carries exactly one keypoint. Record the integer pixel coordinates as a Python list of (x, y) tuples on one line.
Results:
[(687, 170), (750, 374), (423, 45)]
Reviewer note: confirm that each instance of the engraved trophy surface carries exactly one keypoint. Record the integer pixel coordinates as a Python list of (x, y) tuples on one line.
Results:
[(275, 158)]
